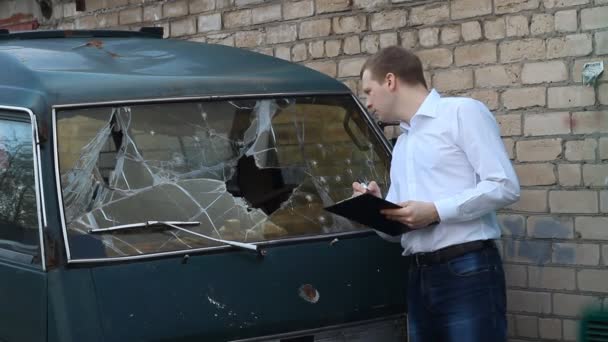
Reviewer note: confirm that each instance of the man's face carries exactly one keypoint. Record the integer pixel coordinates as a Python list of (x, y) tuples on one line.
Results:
[(380, 96)]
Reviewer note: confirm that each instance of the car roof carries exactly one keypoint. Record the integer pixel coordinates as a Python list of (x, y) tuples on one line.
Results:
[(47, 68)]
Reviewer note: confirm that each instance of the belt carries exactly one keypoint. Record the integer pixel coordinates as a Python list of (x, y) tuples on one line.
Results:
[(450, 252)]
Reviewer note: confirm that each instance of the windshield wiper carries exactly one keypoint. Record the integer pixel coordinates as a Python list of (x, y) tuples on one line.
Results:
[(176, 225)]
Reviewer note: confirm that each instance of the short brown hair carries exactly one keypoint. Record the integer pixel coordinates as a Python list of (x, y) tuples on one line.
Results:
[(396, 60)]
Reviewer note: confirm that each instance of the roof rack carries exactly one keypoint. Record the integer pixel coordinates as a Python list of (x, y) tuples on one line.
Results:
[(144, 32)]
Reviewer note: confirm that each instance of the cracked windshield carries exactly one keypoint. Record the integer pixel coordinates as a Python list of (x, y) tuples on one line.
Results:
[(244, 170)]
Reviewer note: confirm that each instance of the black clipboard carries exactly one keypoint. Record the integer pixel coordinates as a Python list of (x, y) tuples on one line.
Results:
[(365, 209)]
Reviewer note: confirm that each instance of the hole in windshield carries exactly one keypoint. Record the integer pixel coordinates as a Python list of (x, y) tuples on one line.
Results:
[(245, 170)]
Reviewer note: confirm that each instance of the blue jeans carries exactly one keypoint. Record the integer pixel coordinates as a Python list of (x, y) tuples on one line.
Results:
[(462, 300)]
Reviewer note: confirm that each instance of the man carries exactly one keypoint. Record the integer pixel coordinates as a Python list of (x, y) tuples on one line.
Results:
[(449, 173)]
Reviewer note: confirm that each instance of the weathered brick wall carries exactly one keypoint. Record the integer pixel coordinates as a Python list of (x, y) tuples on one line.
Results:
[(523, 58)]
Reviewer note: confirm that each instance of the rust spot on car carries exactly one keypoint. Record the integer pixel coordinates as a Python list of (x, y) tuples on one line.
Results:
[(309, 293), (95, 43)]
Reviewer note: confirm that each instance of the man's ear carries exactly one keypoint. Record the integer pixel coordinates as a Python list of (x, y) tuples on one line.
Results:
[(391, 81)]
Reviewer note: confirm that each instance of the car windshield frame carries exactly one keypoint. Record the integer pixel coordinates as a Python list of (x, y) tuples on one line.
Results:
[(377, 135)]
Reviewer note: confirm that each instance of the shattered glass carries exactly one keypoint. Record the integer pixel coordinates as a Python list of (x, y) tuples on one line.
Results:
[(247, 170)]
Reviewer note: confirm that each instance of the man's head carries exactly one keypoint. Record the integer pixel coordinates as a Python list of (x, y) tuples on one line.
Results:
[(389, 75)]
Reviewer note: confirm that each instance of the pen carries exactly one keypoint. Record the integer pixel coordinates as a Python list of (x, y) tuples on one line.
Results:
[(363, 184)]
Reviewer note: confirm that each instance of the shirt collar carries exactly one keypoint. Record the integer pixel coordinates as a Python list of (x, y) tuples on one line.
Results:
[(427, 108)]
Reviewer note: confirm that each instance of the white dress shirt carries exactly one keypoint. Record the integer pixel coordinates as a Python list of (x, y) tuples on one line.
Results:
[(451, 154)]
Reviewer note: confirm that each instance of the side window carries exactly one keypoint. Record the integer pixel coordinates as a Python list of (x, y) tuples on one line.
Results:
[(19, 227)]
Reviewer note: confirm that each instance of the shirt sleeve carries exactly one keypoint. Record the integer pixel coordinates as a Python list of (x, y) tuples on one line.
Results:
[(479, 138)]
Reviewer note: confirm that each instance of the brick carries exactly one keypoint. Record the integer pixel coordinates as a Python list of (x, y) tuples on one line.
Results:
[(221, 38), (573, 201), (108, 19), (350, 66), (210, 22), (572, 45), (550, 328), (510, 124), (475, 54), (237, 18), (69, 9), (450, 34), (369, 4), (601, 44), (542, 23), (409, 39), (576, 254), (435, 58), (581, 149), (590, 122), (471, 31), (494, 29), (488, 96), (219, 4), (183, 27), (281, 34), (512, 225), (283, 52), (388, 20), (563, 3), (509, 147), (332, 48), (572, 305), (327, 6), (299, 52), (525, 49), (605, 261), (240, 3), (570, 329), (153, 13), (198, 6), (316, 49), (349, 24), (603, 94), (388, 39), (526, 326), (569, 174), (516, 275), (555, 278), (523, 97), (428, 37), (565, 21), (595, 175), (248, 38), (541, 72), (86, 22), (594, 18), (266, 14), (315, 28), (531, 201), (547, 124), (496, 76), (592, 228), (300, 9), (175, 9), (453, 80), (550, 227), (530, 302), (326, 67), (517, 26), (539, 150), (131, 16), (462, 9), (370, 43), (535, 174), (535, 252), (352, 45), (512, 6), (429, 14), (603, 148), (571, 96), (593, 280)]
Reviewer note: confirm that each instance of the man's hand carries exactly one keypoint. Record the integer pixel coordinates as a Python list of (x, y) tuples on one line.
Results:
[(414, 214), (372, 189)]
